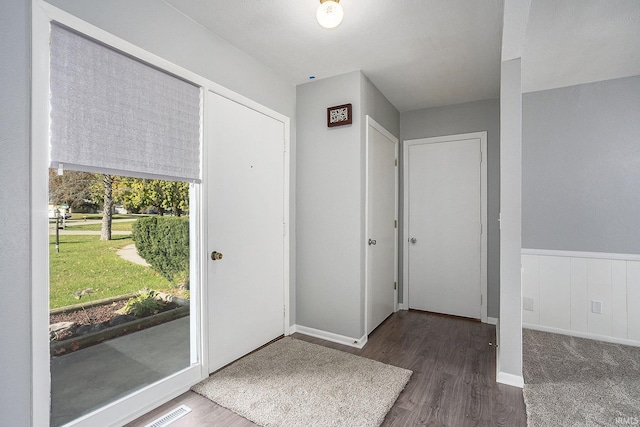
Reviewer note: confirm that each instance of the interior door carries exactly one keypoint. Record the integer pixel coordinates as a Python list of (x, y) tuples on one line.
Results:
[(444, 226), (381, 224), (246, 202)]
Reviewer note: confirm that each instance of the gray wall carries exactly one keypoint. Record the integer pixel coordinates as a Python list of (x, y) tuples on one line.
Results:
[(581, 168), (15, 307), (463, 118), (330, 201), (328, 208)]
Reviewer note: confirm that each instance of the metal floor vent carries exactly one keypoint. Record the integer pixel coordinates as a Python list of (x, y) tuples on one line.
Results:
[(170, 417)]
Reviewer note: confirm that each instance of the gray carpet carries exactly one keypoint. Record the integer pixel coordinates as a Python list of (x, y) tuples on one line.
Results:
[(295, 383), (579, 382)]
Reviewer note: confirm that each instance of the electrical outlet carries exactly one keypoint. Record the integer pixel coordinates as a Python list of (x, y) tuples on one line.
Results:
[(527, 304), (596, 307)]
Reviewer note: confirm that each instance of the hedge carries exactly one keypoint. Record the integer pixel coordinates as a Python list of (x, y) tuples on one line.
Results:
[(164, 243)]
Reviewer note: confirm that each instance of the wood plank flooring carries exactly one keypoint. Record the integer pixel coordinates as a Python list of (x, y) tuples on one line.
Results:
[(453, 382)]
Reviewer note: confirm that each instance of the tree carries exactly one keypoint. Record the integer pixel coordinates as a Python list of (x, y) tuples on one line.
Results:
[(72, 188), (107, 207), (136, 194)]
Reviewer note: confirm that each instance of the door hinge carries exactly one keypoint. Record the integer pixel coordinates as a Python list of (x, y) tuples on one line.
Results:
[(396, 162), (284, 228), (480, 299), (480, 156), (395, 223), (284, 312), (480, 228), (395, 286)]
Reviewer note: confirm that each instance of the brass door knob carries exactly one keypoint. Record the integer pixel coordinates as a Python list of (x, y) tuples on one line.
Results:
[(216, 256)]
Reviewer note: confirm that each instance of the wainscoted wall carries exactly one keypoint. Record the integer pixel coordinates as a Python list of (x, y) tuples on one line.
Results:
[(586, 294)]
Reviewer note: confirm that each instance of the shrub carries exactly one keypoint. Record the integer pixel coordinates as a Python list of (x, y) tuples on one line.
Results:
[(142, 305), (164, 243)]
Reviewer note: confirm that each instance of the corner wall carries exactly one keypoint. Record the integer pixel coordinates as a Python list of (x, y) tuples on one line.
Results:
[(330, 288), (464, 118), (15, 262)]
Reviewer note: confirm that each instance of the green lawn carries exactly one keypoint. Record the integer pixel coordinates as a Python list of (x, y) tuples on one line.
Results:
[(86, 262), (115, 226)]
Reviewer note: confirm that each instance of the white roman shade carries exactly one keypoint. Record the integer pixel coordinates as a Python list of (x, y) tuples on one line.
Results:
[(113, 114)]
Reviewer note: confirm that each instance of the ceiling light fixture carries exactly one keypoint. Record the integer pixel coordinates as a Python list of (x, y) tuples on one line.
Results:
[(329, 14)]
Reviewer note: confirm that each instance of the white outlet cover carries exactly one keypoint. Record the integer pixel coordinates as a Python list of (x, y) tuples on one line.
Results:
[(596, 307)]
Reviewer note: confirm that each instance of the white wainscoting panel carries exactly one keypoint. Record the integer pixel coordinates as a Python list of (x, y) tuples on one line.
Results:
[(633, 300), (555, 291), (599, 289), (564, 286), (619, 298), (531, 288), (579, 298)]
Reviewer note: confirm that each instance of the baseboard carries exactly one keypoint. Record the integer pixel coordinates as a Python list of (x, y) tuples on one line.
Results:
[(330, 336), (492, 320), (510, 379), (586, 335), (401, 306)]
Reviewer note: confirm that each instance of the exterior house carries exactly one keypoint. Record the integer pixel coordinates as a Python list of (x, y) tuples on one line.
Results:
[(564, 178)]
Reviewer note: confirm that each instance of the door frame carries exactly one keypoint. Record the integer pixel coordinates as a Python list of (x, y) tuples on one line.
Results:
[(371, 123), (482, 136)]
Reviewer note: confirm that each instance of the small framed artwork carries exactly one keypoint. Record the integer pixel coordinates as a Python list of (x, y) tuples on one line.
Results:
[(339, 115)]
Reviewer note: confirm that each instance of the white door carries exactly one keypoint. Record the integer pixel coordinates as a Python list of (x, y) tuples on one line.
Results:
[(444, 217), (381, 224), (246, 202)]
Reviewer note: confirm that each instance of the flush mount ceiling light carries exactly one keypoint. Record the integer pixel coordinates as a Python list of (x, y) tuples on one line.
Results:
[(329, 14)]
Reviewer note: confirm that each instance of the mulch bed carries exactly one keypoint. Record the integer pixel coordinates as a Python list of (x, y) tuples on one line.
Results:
[(96, 318)]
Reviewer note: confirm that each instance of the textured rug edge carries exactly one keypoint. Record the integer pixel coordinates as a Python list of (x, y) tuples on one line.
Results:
[(403, 378)]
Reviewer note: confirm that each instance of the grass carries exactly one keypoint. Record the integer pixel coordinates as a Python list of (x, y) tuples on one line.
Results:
[(86, 262), (115, 226)]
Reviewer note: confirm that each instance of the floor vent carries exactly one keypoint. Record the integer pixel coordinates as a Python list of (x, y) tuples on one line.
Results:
[(170, 417)]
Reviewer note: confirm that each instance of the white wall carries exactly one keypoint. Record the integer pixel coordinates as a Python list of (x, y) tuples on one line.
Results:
[(330, 202), (15, 306), (510, 324), (559, 288), (465, 118)]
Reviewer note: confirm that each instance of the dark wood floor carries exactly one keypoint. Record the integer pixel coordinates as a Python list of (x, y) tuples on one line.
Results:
[(453, 381)]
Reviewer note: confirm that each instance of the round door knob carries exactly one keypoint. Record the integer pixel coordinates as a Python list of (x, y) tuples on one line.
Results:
[(372, 242), (216, 256), (413, 240)]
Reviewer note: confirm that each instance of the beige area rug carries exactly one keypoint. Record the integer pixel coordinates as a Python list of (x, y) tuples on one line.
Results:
[(579, 382), (295, 383)]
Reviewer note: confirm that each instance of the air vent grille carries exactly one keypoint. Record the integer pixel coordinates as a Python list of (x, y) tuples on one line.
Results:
[(170, 417)]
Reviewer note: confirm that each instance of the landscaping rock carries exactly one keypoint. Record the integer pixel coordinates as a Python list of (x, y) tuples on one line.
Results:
[(60, 328), (120, 319), (87, 329)]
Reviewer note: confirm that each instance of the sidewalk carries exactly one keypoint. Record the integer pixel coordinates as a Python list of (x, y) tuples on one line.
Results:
[(87, 379)]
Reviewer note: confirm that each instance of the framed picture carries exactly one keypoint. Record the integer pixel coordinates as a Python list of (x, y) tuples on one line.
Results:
[(339, 115)]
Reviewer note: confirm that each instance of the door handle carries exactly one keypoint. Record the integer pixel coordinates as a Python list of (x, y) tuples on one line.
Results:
[(216, 256), (413, 240), (372, 242)]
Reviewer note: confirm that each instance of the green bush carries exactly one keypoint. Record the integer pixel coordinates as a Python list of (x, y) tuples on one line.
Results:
[(144, 304), (164, 243)]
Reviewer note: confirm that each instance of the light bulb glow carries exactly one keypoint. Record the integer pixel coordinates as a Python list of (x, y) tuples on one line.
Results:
[(329, 14)]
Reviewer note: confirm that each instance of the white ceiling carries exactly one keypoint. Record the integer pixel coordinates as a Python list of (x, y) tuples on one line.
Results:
[(427, 53)]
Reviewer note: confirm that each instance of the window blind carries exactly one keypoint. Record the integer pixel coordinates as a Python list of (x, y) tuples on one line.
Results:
[(113, 114)]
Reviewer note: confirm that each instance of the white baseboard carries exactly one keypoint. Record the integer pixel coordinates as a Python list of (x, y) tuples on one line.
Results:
[(586, 335), (510, 379), (330, 336), (492, 320)]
